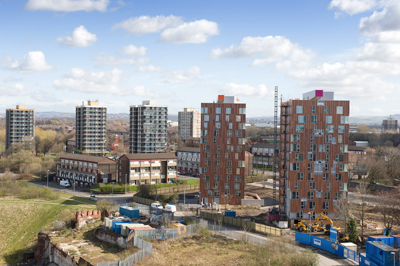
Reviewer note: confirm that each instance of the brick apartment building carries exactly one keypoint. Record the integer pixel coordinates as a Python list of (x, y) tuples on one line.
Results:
[(86, 170), (147, 168), (222, 151), (314, 154)]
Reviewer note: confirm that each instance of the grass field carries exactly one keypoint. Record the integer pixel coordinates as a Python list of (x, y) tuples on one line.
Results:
[(193, 181), (21, 220)]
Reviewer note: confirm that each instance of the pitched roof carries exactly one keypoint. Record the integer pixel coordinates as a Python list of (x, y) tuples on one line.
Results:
[(150, 156), (357, 148), (191, 149), (87, 158)]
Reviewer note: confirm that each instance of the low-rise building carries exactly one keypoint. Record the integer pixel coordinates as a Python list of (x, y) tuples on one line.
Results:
[(263, 154), (86, 170), (189, 160), (147, 168), (70, 145)]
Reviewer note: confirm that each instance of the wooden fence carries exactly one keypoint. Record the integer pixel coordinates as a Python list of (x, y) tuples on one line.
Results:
[(256, 227), (176, 189), (142, 200)]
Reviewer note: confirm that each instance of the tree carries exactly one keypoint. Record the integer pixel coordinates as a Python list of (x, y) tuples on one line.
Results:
[(103, 205), (389, 210), (362, 192), (351, 228), (37, 144), (47, 143), (342, 209)]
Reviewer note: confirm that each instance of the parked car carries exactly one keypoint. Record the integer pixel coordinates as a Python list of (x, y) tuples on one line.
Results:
[(64, 183), (170, 208), (93, 197), (181, 173), (156, 205)]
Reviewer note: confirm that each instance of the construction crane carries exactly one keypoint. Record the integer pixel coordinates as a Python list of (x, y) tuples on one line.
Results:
[(275, 176)]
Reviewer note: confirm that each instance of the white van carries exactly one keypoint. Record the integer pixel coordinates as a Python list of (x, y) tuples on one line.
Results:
[(65, 183), (156, 205), (170, 208)]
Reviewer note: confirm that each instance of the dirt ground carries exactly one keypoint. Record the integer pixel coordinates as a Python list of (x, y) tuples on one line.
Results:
[(261, 192)]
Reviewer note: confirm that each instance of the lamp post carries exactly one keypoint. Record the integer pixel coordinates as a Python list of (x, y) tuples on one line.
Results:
[(394, 258), (47, 178)]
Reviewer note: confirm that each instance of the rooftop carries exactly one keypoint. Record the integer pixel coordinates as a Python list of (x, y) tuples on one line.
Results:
[(87, 158), (150, 156), (190, 149)]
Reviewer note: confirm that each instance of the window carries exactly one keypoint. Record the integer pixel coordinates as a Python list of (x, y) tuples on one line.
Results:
[(218, 148), (328, 138), (216, 193), (215, 140), (238, 178), (325, 177), (227, 186), (340, 139), (300, 176), (206, 118), (299, 157), (313, 119), (203, 140), (295, 195), (217, 125), (204, 110), (318, 194), (229, 163), (242, 111), (228, 178), (217, 163), (312, 110), (300, 128), (209, 193), (302, 119), (295, 147), (303, 205), (228, 110), (216, 117), (295, 137), (237, 186), (295, 166), (230, 125), (330, 129), (238, 133), (328, 186), (238, 118), (299, 109), (227, 155), (208, 162), (206, 147), (229, 171), (215, 185), (216, 178), (309, 167), (344, 120), (218, 110), (206, 178), (312, 186), (338, 177), (327, 167), (208, 155), (205, 124), (341, 129), (343, 167), (206, 185), (310, 195), (312, 157), (241, 164), (241, 141), (339, 158), (296, 185), (226, 193), (216, 133), (242, 126), (229, 133), (238, 194), (344, 148), (329, 119), (239, 148), (339, 110), (327, 196), (325, 205), (203, 133), (312, 138), (312, 205), (326, 109), (310, 177), (228, 140), (313, 147), (327, 157), (227, 118)]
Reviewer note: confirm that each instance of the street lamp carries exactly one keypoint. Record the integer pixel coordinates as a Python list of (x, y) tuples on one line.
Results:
[(47, 178)]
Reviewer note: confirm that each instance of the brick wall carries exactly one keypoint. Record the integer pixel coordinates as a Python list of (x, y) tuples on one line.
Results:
[(81, 218)]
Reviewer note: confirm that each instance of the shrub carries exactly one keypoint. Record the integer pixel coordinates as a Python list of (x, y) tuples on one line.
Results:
[(204, 232)]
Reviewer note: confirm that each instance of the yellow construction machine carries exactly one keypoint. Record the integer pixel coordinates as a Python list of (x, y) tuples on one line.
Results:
[(316, 226)]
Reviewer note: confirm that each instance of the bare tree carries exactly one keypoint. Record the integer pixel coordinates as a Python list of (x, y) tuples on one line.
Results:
[(38, 144), (388, 207), (342, 209), (360, 206)]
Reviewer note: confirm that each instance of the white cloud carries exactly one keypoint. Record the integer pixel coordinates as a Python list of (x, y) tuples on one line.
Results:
[(13, 79), (150, 68), (44, 96), (352, 7), (182, 76), (68, 5), (274, 48), (32, 61), (133, 50), (145, 24), (192, 32), (246, 90), (103, 82), (80, 37), (386, 20), (109, 60), (15, 90)]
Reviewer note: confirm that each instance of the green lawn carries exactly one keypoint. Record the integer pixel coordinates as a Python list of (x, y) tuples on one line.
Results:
[(193, 181), (21, 220)]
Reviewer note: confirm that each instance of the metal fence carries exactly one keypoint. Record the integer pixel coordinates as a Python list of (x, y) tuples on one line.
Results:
[(251, 226), (242, 236), (146, 248)]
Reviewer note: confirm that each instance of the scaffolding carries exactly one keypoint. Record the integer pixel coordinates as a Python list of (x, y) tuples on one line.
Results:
[(284, 156), (275, 176)]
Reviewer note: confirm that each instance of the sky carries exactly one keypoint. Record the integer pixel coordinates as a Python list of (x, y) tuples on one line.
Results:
[(54, 54)]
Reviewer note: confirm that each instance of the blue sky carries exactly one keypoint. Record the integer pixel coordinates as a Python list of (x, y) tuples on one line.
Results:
[(56, 53)]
